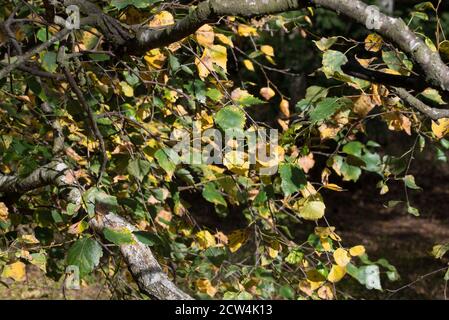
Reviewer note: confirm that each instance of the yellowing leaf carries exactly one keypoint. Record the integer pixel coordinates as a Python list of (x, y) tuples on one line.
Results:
[(215, 54), (225, 40), (248, 65), (373, 42), (205, 239), (162, 19), (155, 59), (236, 239), (341, 257), (357, 251), (336, 274), (267, 50), (246, 31), (204, 65), (15, 271), (205, 286), (219, 56), (205, 35), (440, 128), (312, 210), (3, 212), (127, 90), (267, 93), (398, 122)]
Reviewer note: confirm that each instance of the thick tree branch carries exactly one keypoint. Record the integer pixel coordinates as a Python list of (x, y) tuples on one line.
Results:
[(398, 32), (409, 99), (141, 262)]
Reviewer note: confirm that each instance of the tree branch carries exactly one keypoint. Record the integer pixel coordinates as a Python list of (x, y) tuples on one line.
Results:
[(141, 262), (432, 113)]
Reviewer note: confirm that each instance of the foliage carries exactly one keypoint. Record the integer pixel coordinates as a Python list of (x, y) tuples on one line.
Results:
[(277, 239)]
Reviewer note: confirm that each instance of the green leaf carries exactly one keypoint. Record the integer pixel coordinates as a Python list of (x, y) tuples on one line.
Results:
[(324, 109), (49, 61), (287, 292), (413, 211), (216, 255), (147, 238), (230, 117), (214, 94), (118, 236), (121, 4), (354, 148), (439, 250), (211, 194), (446, 275), (165, 162), (397, 61), (332, 62), (85, 253), (294, 257), (409, 181), (312, 210), (292, 178), (139, 168)]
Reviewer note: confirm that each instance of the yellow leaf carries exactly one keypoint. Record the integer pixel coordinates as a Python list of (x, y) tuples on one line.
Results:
[(398, 122), (204, 65), (248, 65), (15, 271), (127, 90), (373, 42), (336, 274), (225, 40), (3, 212), (267, 93), (215, 54), (236, 239), (267, 50), (155, 59), (205, 35), (440, 128), (273, 249), (205, 239), (219, 56), (284, 107), (341, 257), (29, 238), (326, 244), (357, 251), (270, 60), (363, 105), (246, 31), (312, 210), (162, 19), (205, 286), (334, 187), (444, 48)]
